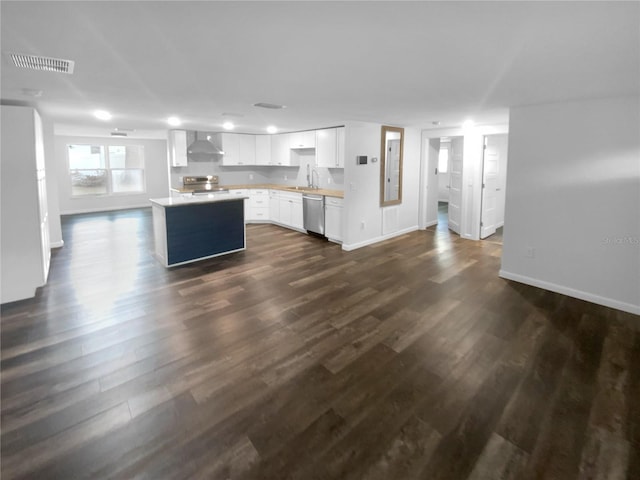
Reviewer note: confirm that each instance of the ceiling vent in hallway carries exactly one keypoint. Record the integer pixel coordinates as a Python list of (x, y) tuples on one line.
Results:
[(35, 62), (271, 106)]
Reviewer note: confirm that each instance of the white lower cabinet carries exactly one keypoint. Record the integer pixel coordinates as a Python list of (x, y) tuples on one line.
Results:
[(274, 206), (258, 210), (285, 208), (333, 218), (297, 215), (242, 192)]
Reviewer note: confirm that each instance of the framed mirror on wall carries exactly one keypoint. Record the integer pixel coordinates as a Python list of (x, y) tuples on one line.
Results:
[(391, 149)]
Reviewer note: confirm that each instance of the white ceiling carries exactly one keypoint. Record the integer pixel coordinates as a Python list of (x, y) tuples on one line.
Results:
[(398, 63)]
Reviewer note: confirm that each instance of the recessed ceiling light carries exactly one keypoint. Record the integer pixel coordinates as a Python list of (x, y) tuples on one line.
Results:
[(272, 106), (271, 129), (468, 124), (228, 125), (102, 115), (174, 121)]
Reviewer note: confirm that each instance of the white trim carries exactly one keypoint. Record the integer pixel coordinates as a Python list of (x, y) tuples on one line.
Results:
[(430, 224), (589, 297), (381, 238), (59, 244), (103, 209)]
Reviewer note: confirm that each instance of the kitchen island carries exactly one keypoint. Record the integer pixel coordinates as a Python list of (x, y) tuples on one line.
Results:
[(188, 229)]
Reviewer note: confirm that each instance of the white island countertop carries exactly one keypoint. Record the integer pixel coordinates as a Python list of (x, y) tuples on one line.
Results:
[(201, 198)]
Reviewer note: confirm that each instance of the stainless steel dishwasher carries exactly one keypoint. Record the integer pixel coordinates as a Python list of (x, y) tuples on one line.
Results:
[(313, 213)]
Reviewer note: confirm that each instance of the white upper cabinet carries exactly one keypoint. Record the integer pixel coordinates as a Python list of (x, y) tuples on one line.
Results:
[(340, 140), (247, 150), (239, 149), (263, 150), (231, 149), (177, 144), (302, 139), (281, 151), (330, 147)]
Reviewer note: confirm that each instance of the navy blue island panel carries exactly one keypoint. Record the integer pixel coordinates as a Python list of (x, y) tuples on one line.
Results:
[(202, 230)]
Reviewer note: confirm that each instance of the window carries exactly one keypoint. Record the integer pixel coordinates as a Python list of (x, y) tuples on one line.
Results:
[(106, 170), (443, 159)]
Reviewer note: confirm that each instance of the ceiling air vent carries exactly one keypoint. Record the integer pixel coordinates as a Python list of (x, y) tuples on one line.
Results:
[(271, 106), (118, 134), (48, 64)]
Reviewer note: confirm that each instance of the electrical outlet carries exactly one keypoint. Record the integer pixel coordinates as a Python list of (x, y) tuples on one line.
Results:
[(362, 225), (352, 186), (285, 177), (251, 176), (328, 180), (530, 252)]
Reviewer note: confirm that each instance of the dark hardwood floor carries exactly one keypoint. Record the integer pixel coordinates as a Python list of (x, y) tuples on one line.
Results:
[(409, 359)]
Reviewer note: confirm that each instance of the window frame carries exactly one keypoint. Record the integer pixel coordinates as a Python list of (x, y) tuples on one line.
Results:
[(107, 168)]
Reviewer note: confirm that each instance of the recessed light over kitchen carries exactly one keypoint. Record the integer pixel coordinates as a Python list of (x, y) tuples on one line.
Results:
[(228, 125), (102, 115), (272, 129), (468, 124), (174, 121), (271, 106)]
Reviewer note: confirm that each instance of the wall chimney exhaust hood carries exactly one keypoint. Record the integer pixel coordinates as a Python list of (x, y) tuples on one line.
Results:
[(203, 149)]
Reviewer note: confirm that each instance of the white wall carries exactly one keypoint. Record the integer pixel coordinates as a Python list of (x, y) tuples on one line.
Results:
[(156, 177), (573, 195), (365, 222), (55, 228)]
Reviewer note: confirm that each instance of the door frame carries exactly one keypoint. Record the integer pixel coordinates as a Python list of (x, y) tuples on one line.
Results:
[(472, 165)]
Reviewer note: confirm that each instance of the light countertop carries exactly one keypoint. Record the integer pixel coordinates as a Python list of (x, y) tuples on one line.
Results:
[(201, 198), (285, 188)]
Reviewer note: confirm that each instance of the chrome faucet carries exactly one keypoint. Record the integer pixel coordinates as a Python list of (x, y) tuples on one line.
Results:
[(317, 184), (309, 177)]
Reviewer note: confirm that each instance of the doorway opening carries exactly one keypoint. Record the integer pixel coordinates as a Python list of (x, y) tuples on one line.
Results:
[(494, 182), (449, 174)]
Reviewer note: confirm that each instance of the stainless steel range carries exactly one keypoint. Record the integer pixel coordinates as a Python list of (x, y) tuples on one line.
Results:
[(203, 184)]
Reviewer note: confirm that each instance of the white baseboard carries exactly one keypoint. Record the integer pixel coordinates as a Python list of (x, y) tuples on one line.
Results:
[(570, 292), (381, 238), (59, 244), (430, 224)]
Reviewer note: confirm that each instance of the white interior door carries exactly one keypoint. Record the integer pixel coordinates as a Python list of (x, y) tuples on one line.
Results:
[(455, 190), (501, 143), (494, 161)]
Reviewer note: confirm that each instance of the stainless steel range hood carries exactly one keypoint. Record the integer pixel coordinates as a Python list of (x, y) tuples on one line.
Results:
[(203, 149)]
